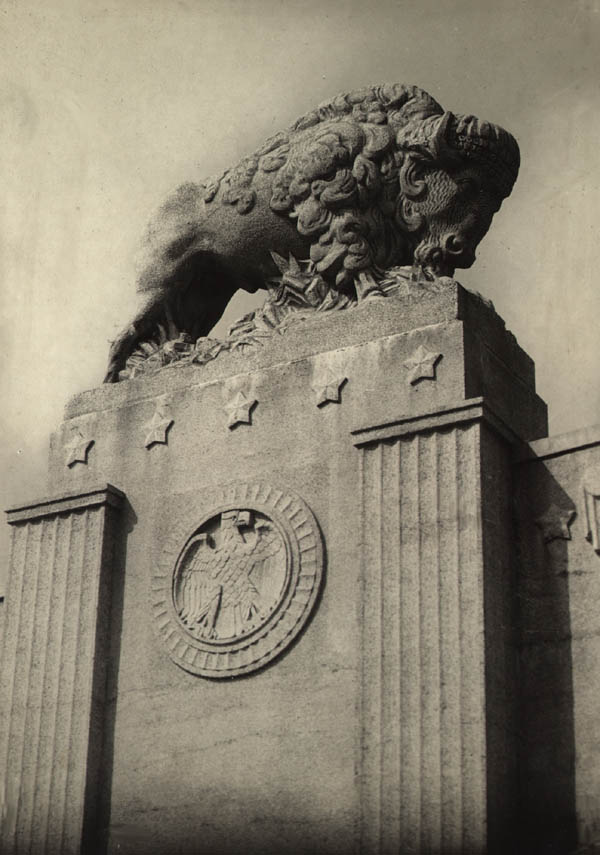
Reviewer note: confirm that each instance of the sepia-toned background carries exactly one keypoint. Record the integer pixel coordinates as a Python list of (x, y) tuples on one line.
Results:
[(105, 106)]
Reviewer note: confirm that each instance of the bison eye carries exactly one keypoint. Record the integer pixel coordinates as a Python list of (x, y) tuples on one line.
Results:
[(468, 186)]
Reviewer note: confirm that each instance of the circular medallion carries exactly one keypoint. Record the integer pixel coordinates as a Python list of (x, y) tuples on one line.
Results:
[(236, 587)]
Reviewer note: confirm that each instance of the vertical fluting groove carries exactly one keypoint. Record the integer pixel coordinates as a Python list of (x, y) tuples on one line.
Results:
[(419, 658), (364, 705), (41, 760), (12, 633), (411, 695), (25, 675), (83, 686), (459, 734), (478, 614), (67, 655), (33, 712), (395, 635), (438, 518), (436, 765), (400, 645), (83, 661), (439, 450), (390, 697), (380, 645), (75, 656), (450, 575), (463, 580), (50, 570), (471, 609), (367, 746), (8, 675), (55, 682), (6, 678), (19, 624), (429, 644), (479, 618), (419, 571)]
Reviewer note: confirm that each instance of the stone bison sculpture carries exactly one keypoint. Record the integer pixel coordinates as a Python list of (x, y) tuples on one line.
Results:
[(376, 178)]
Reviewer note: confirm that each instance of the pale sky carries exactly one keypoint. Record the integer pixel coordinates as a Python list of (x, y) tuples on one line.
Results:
[(106, 106)]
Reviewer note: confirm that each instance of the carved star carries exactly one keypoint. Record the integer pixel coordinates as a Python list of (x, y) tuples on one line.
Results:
[(157, 428), (554, 523), (238, 409), (421, 365), (591, 503), (329, 389), (77, 449)]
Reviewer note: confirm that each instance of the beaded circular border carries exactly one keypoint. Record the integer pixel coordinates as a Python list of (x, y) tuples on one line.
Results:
[(304, 571)]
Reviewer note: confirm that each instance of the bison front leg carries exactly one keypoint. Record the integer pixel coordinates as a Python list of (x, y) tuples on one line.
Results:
[(120, 350), (138, 331)]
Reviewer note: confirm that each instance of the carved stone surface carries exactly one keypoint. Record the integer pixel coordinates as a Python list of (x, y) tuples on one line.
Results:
[(279, 760), (373, 179), (299, 295), (421, 365), (234, 593), (329, 389), (158, 426), (230, 576), (554, 523), (591, 501), (239, 409), (77, 448), (556, 483)]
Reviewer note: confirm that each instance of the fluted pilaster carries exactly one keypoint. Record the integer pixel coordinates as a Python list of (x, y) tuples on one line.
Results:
[(54, 665), (426, 731)]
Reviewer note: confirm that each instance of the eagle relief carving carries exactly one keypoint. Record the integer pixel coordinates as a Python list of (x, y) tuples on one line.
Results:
[(231, 576), (237, 579), (371, 188)]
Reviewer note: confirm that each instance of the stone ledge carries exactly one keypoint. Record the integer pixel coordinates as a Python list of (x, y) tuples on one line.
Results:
[(104, 494), (463, 412), (555, 446), (369, 321)]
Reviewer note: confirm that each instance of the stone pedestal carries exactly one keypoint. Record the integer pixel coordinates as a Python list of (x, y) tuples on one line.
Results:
[(370, 707)]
